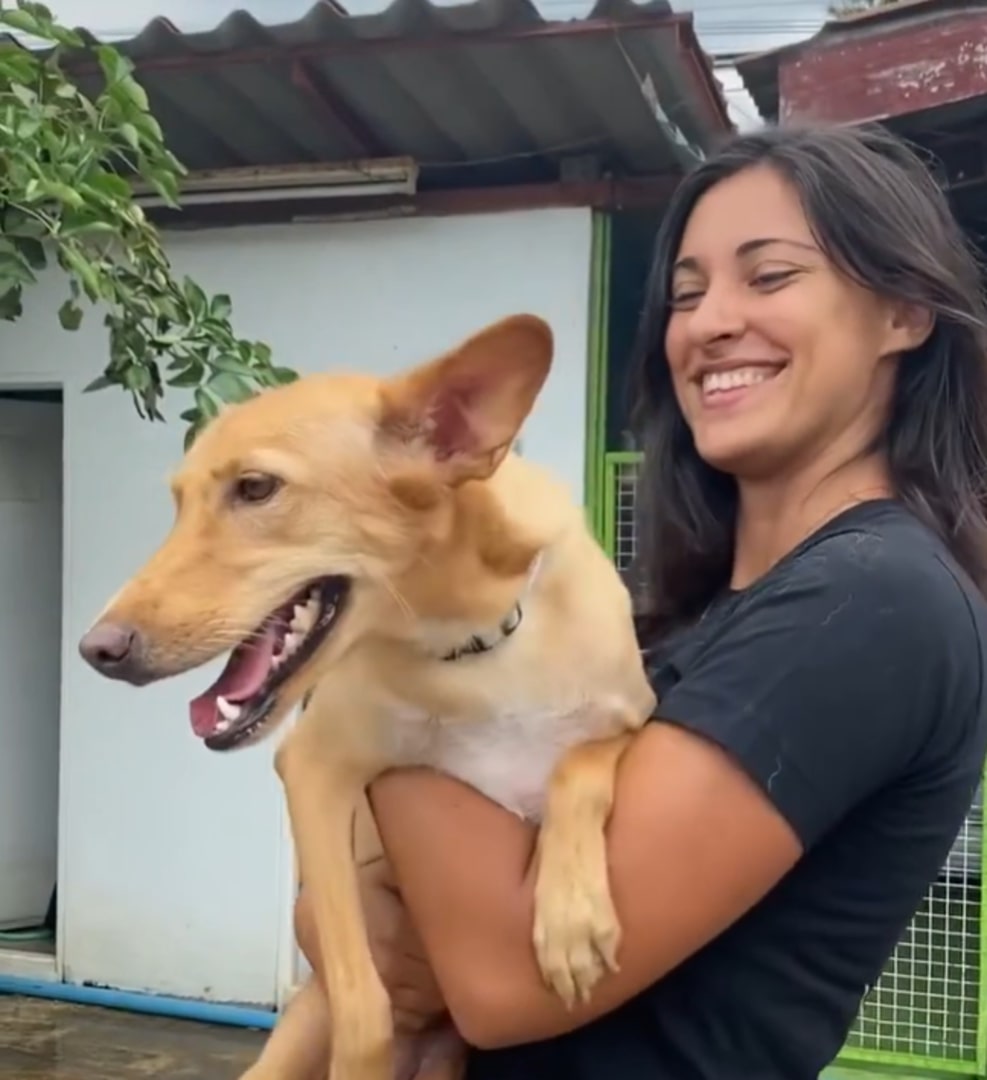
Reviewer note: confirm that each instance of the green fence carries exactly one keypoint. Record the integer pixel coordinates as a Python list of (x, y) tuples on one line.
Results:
[(928, 1011)]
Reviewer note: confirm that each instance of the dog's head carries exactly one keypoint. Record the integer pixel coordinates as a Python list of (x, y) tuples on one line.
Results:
[(295, 513)]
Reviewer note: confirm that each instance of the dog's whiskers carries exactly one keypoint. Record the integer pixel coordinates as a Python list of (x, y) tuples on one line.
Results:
[(406, 609)]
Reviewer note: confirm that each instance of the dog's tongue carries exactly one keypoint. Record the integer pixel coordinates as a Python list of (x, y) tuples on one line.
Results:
[(244, 674)]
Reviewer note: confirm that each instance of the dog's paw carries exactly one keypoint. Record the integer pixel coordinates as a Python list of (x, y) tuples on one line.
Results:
[(576, 933)]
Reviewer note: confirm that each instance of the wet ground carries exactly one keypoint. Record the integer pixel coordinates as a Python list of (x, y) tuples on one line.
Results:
[(48, 1040)]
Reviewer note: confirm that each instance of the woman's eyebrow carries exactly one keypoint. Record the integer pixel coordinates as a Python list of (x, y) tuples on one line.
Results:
[(748, 247)]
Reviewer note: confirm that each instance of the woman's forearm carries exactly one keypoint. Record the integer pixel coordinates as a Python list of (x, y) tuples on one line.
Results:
[(692, 844)]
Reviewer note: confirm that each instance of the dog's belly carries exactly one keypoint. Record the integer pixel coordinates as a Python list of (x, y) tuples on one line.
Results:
[(508, 757)]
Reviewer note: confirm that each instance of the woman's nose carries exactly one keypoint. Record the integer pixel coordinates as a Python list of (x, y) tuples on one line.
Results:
[(718, 317)]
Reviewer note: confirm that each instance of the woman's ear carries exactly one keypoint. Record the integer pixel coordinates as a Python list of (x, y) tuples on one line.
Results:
[(909, 327)]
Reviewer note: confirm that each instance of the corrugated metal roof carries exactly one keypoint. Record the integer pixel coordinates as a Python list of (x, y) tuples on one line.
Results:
[(759, 72), (487, 91)]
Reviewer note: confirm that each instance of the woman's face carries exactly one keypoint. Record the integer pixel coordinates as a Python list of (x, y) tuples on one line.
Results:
[(776, 358)]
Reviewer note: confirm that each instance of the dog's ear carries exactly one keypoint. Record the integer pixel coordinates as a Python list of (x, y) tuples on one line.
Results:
[(468, 406)]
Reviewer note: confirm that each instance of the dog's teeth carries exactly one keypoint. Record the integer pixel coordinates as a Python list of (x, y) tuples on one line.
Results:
[(223, 725), (229, 711), (304, 617), (291, 643)]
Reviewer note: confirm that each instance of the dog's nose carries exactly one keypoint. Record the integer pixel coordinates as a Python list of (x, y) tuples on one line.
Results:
[(114, 650)]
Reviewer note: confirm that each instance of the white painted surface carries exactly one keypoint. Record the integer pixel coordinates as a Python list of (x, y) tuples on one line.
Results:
[(30, 656), (172, 866)]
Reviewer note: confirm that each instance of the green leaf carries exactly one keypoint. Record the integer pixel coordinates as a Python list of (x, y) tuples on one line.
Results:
[(28, 127), (195, 297), (221, 307), (148, 127), (234, 365), (229, 388), (83, 269), (108, 185), (130, 135), (33, 252), (285, 375), (191, 376), (70, 315), (10, 304), (137, 378), (192, 433), (166, 186), (40, 11), (14, 270), (116, 67), (61, 191), (133, 92), (206, 403), (102, 383), (24, 94), (21, 20)]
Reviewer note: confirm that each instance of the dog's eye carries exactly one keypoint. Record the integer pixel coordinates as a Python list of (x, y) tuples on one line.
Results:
[(255, 487)]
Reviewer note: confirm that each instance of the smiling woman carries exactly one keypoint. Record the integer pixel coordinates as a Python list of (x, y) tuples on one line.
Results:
[(813, 407)]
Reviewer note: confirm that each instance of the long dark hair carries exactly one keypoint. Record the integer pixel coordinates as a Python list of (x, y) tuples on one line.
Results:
[(877, 213)]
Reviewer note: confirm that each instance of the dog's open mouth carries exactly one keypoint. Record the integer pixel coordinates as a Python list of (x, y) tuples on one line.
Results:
[(241, 700)]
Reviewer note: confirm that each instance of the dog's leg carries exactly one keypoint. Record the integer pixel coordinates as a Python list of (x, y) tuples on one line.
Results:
[(298, 1048), (322, 794), (576, 931)]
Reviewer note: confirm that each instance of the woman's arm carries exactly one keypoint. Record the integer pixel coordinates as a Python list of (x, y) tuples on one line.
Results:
[(824, 689), (693, 843)]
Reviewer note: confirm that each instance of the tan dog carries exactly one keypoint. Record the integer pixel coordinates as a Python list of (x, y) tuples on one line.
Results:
[(376, 540)]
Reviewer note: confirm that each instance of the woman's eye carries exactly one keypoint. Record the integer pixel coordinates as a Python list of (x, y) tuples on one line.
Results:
[(256, 487), (685, 299), (772, 279)]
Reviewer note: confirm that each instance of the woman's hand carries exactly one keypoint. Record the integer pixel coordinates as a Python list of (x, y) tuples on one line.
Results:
[(397, 951)]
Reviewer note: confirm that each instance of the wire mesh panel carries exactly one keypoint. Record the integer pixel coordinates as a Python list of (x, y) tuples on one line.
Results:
[(619, 487), (926, 1005), (924, 1010)]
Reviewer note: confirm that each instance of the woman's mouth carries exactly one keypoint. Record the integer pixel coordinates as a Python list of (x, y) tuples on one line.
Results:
[(729, 386)]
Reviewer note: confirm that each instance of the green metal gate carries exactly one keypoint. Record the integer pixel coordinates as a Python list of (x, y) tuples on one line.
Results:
[(928, 1011)]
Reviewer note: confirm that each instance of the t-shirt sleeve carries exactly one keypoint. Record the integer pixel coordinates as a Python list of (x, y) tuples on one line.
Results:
[(835, 678)]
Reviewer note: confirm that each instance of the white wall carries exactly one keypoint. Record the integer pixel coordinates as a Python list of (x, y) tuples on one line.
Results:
[(172, 870)]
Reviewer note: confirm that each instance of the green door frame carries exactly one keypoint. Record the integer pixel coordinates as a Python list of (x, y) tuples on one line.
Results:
[(597, 368)]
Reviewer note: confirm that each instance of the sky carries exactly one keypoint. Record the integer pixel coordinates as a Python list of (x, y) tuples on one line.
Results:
[(724, 26)]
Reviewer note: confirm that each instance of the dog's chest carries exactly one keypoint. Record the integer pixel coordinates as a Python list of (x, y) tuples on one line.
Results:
[(509, 756)]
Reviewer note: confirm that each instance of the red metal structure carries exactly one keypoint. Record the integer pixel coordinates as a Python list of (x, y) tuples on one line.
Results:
[(918, 66)]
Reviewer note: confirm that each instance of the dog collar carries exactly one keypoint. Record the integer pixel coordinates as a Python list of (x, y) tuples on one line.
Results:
[(481, 643)]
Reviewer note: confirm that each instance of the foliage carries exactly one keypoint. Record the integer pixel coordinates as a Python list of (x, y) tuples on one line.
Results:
[(64, 163)]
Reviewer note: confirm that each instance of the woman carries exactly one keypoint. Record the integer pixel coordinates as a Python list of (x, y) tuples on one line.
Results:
[(814, 550)]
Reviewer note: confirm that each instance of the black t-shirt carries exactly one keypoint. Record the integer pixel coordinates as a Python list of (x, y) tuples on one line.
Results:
[(848, 683)]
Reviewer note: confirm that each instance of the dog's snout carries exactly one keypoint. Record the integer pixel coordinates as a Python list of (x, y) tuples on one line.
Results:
[(114, 650)]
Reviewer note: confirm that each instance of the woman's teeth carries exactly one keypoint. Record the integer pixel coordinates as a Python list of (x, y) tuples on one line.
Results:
[(717, 381)]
